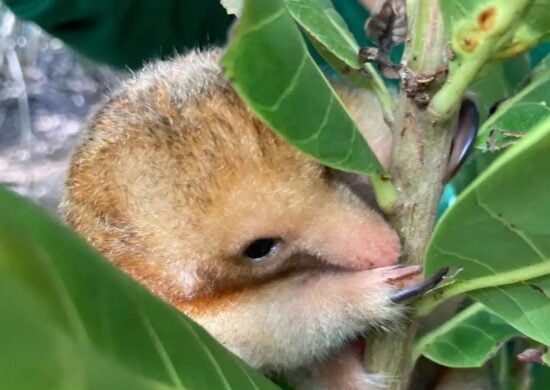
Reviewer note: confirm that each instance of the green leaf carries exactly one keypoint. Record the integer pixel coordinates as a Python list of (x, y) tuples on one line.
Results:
[(469, 339), (542, 68), (468, 22), (541, 377), (271, 70), (70, 320), (319, 19), (498, 81), (498, 232), (518, 114), (495, 83), (332, 38)]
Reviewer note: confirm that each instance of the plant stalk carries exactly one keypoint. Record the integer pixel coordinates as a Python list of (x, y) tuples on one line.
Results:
[(381, 91), (419, 158), (430, 301), (444, 101)]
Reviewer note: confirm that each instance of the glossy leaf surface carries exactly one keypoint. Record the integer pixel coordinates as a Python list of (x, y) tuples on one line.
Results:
[(499, 231), (320, 19), (469, 339), (272, 71)]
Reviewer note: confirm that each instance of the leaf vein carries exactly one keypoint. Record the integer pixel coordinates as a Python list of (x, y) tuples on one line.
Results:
[(163, 353), (245, 372), (323, 122), (343, 33), (290, 87), (481, 331), (454, 346), (510, 227), (462, 257), (262, 23), (208, 353), (520, 309)]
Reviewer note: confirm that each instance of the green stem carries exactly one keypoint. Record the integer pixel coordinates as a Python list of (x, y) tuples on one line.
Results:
[(419, 156), (384, 97), (386, 195), (449, 96), (428, 303)]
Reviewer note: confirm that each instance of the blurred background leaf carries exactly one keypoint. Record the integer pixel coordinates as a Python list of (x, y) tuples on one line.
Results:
[(70, 319)]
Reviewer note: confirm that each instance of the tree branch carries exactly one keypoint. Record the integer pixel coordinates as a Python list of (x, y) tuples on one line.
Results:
[(419, 158)]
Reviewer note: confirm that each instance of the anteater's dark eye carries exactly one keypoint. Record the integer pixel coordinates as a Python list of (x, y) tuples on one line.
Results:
[(261, 247)]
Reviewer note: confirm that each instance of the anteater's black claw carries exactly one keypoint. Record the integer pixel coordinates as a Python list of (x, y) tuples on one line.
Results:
[(408, 293), (464, 137)]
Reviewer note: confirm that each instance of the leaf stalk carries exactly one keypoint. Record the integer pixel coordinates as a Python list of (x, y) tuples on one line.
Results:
[(437, 296)]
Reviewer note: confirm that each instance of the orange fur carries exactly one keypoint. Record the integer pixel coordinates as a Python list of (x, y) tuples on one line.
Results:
[(175, 177)]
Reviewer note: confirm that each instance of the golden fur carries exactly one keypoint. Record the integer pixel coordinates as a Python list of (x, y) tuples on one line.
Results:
[(175, 177)]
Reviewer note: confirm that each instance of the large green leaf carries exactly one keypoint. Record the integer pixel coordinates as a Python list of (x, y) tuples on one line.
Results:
[(468, 339), (498, 232), (271, 70), (518, 114), (468, 22), (70, 320)]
